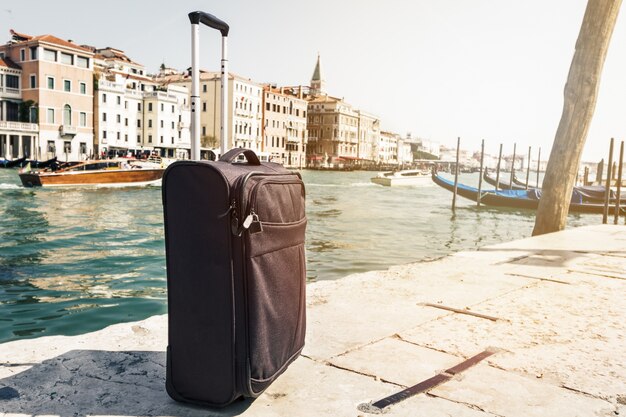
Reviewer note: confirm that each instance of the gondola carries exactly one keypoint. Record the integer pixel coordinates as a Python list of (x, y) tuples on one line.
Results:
[(15, 163), (588, 193), (520, 199), (44, 164)]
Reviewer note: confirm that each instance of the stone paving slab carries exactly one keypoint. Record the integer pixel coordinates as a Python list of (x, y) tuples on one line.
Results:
[(559, 297), (508, 394)]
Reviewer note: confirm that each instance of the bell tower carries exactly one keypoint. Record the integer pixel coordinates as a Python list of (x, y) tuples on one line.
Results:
[(318, 84)]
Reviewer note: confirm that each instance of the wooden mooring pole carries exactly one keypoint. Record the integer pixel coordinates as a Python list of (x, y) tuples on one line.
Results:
[(498, 168), (528, 167), (512, 167), (456, 173), (538, 166), (480, 173), (607, 187), (619, 183)]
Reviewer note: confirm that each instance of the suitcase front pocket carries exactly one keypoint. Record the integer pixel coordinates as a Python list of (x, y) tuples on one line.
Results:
[(276, 292)]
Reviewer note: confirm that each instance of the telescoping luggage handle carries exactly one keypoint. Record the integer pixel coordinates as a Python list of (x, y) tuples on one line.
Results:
[(232, 155)]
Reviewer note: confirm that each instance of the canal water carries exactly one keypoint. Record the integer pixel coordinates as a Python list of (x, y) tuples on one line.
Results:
[(77, 260)]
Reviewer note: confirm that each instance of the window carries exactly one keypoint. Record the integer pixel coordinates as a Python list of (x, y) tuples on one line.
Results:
[(138, 106), (33, 53), (83, 88), (126, 121), (172, 108), (51, 83), (172, 125), (22, 54), (104, 134), (203, 130), (162, 106), (125, 138), (149, 138), (118, 135), (149, 106), (118, 118), (67, 85), (138, 138), (51, 147), (82, 62), (125, 104), (119, 100), (138, 122), (204, 88), (204, 106), (50, 116), (149, 122), (49, 55), (67, 59), (104, 98), (104, 117), (161, 123), (83, 147), (67, 147), (33, 81), (161, 139), (82, 119), (67, 115), (267, 106)]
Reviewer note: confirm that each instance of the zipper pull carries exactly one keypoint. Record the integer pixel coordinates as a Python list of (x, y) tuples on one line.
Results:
[(234, 219)]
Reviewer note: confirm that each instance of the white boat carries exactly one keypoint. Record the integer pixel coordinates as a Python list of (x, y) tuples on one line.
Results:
[(404, 177)]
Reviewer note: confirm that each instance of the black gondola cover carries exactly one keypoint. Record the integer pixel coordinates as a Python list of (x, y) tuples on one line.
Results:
[(236, 272)]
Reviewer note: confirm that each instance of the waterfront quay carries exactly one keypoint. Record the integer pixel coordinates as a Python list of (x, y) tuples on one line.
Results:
[(542, 320)]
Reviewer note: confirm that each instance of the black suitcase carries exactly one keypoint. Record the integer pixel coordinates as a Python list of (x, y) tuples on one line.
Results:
[(236, 276)]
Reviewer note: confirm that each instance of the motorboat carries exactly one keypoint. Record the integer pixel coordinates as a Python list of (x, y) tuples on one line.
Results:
[(403, 177), (115, 172)]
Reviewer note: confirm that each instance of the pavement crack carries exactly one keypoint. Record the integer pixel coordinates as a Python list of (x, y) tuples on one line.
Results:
[(374, 377)]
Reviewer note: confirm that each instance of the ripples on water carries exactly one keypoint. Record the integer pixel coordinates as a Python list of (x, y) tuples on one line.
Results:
[(77, 260)]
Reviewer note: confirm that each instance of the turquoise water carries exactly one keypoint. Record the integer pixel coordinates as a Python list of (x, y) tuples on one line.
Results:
[(77, 260)]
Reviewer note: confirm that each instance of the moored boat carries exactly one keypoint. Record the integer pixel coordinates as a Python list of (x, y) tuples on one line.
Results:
[(519, 199), (95, 173), (404, 177), (13, 163)]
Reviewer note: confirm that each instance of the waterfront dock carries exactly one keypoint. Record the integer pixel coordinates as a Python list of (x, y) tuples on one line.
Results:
[(542, 319)]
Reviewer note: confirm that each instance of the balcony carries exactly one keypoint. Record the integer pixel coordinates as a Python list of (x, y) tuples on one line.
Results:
[(183, 125), (66, 130), (19, 127), (9, 92)]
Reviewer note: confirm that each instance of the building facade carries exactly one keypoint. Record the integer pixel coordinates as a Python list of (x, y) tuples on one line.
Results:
[(19, 132), (136, 114), (56, 81), (284, 127), (244, 110)]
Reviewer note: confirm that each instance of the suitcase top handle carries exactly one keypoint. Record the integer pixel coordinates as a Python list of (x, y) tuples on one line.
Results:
[(232, 155)]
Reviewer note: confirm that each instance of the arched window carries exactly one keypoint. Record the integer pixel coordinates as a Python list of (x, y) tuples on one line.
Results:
[(67, 115)]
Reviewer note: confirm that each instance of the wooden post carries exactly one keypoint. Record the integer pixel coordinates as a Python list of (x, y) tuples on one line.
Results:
[(456, 173), (480, 177), (528, 167), (538, 165), (586, 177), (607, 187), (512, 167), (580, 96), (599, 172), (619, 183), (498, 168)]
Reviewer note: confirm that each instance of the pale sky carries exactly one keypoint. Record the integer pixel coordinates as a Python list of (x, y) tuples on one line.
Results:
[(478, 69)]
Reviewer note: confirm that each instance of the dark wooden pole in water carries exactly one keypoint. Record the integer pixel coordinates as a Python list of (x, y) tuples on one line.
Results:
[(498, 168), (538, 166), (586, 177), (456, 173), (607, 187), (513, 166), (480, 175), (580, 96), (619, 183), (528, 167)]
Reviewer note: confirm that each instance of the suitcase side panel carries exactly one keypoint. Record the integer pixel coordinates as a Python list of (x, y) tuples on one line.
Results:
[(201, 363)]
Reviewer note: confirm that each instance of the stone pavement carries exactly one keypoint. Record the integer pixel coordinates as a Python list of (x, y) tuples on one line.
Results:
[(552, 309)]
